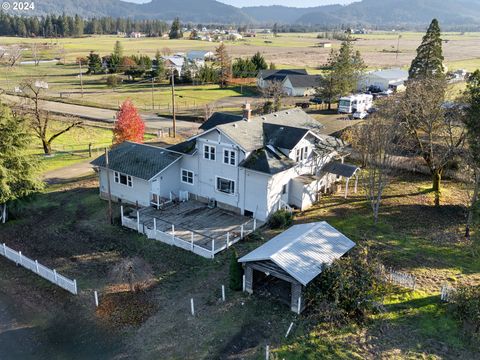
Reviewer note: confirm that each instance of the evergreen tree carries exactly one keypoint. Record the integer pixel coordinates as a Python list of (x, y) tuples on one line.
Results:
[(243, 68), (79, 26), (259, 61), (176, 30), (18, 175), (236, 272), (94, 63), (429, 59), (224, 64), (118, 50)]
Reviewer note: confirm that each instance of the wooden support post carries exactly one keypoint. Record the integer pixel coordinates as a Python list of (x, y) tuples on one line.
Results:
[(95, 295), (138, 221), (254, 224), (249, 279)]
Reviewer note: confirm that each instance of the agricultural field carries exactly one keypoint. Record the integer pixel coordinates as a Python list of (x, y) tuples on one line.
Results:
[(461, 50), (74, 237)]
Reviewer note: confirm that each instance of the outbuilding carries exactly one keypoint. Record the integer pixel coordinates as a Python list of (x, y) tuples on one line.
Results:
[(295, 257)]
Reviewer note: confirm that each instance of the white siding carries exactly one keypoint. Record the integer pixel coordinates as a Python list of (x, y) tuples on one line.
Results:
[(140, 190), (253, 187)]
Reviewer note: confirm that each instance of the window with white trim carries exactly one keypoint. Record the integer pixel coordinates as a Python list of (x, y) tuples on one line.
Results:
[(225, 185), (297, 155), (187, 176), (123, 179), (229, 157), (305, 153), (209, 152)]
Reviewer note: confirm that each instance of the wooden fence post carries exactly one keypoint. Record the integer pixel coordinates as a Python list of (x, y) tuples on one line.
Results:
[(173, 234), (121, 214), (223, 293), (267, 352), (55, 277), (241, 232), (20, 256), (154, 225), (243, 282), (298, 305), (95, 294), (36, 266), (4, 249), (192, 307), (191, 240), (213, 248)]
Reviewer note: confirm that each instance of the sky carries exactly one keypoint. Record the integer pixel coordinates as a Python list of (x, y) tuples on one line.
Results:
[(295, 3)]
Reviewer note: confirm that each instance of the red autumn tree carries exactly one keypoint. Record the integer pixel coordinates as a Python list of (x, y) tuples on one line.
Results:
[(129, 125)]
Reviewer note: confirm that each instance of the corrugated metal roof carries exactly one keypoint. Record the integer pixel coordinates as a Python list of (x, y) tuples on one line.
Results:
[(391, 74), (302, 249)]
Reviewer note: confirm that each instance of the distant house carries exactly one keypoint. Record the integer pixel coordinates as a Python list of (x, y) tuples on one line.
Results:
[(136, 35), (301, 85), (294, 257), (295, 82), (249, 165), (384, 79), (200, 56), (176, 62), (267, 76)]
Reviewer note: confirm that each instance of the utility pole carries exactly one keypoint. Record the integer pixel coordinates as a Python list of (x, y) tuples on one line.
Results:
[(173, 101), (398, 47), (81, 78), (107, 167), (153, 99)]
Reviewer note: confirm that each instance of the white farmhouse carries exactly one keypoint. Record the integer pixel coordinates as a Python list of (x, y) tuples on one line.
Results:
[(250, 165), (176, 62), (199, 57), (384, 79)]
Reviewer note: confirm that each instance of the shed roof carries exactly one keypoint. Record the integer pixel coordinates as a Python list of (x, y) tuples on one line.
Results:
[(337, 168), (302, 249), (138, 160)]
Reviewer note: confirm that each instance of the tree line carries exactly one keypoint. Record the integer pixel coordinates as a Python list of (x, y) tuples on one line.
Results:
[(75, 26)]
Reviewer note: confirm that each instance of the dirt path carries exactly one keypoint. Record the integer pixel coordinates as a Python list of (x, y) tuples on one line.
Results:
[(68, 173)]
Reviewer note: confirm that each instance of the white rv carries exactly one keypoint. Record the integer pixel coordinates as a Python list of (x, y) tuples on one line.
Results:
[(355, 103)]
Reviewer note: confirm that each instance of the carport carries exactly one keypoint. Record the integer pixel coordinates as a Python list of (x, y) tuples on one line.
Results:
[(295, 256)]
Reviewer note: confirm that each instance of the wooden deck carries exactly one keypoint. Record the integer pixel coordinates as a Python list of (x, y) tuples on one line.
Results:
[(195, 219)]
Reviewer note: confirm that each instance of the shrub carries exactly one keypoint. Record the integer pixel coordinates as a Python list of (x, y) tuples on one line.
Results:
[(112, 81), (236, 272), (347, 290), (280, 219), (466, 307)]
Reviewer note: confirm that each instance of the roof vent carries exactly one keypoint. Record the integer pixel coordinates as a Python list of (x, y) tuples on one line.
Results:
[(276, 115), (235, 125), (264, 118)]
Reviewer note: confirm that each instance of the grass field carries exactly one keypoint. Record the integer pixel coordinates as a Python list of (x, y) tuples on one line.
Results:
[(286, 51), (74, 237)]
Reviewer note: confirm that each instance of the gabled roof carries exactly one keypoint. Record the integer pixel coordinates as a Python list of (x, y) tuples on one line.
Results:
[(267, 160), (391, 74), (304, 81), (197, 54), (279, 75), (176, 60), (302, 249), (281, 136), (138, 160), (219, 118), (337, 168), (250, 134)]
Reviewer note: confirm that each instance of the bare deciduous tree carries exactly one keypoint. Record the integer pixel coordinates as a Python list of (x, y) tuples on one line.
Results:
[(375, 141), (273, 93), (434, 132), (134, 271), (40, 119), (13, 55)]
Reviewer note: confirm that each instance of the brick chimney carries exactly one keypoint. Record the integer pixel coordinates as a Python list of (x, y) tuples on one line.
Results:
[(247, 112)]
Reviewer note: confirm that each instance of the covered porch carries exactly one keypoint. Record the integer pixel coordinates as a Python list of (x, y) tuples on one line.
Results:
[(341, 170)]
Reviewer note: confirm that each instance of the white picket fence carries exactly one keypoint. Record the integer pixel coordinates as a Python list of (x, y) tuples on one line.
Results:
[(446, 293), (398, 278), (39, 269)]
